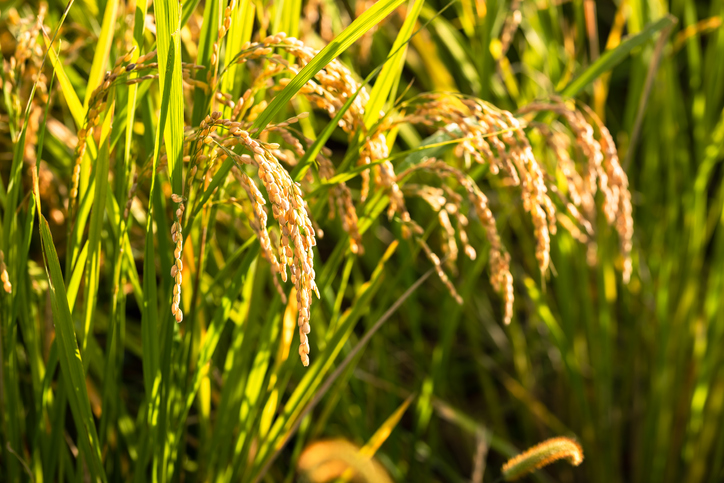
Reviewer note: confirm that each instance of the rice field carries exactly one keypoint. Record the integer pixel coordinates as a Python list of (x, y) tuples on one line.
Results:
[(346, 240)]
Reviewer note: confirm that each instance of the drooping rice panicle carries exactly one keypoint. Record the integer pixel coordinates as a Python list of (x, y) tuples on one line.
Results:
[(4, 276), (177, 267)]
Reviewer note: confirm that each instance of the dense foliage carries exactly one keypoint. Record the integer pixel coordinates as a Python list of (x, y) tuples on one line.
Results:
[(481, 224)]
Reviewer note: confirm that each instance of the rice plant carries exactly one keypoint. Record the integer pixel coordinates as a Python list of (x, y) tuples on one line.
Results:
[(482, 225)]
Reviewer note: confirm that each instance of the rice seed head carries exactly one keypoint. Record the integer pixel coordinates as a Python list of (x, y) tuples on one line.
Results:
[(295, 225), (177, 267), (603, 171), (487, 135), (130, 196), (541, 455), (4, 277)]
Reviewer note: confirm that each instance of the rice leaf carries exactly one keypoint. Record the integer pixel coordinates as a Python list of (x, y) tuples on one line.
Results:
[(168, 24), (385, 88), (92, 277), (102, 49), (70, 359), (612, 58)]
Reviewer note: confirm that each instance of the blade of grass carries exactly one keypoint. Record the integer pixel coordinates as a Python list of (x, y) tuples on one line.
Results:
[(70, 360), (612, 58), (10, 240), (102, 49), (209, 34), (385, 88), (234, 373), (321, 391), (242, 22), (384, 431), (93, 265), (240, 280), (168, 24), (650, 75)]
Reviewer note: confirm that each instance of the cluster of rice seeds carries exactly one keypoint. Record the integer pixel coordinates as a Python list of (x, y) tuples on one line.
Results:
[(258, 223), (478, 129), (440, 271), (212, 74), (96, 104), (26, 48), (603, 170), (200, 139), (437, 198), (334, 85), (4, 277), (295, 249), (131, 194), (341, 196), (177, 268), (482, 126), (297, 237), (617, 201), (533, 188), (500, 277)]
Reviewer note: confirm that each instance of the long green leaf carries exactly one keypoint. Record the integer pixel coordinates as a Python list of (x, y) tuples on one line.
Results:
[(242, 22), (102, 49), (70, 359), (207, 37), (612, 58), (307, 388), (168, 24), (385, 87), (93, 267)]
